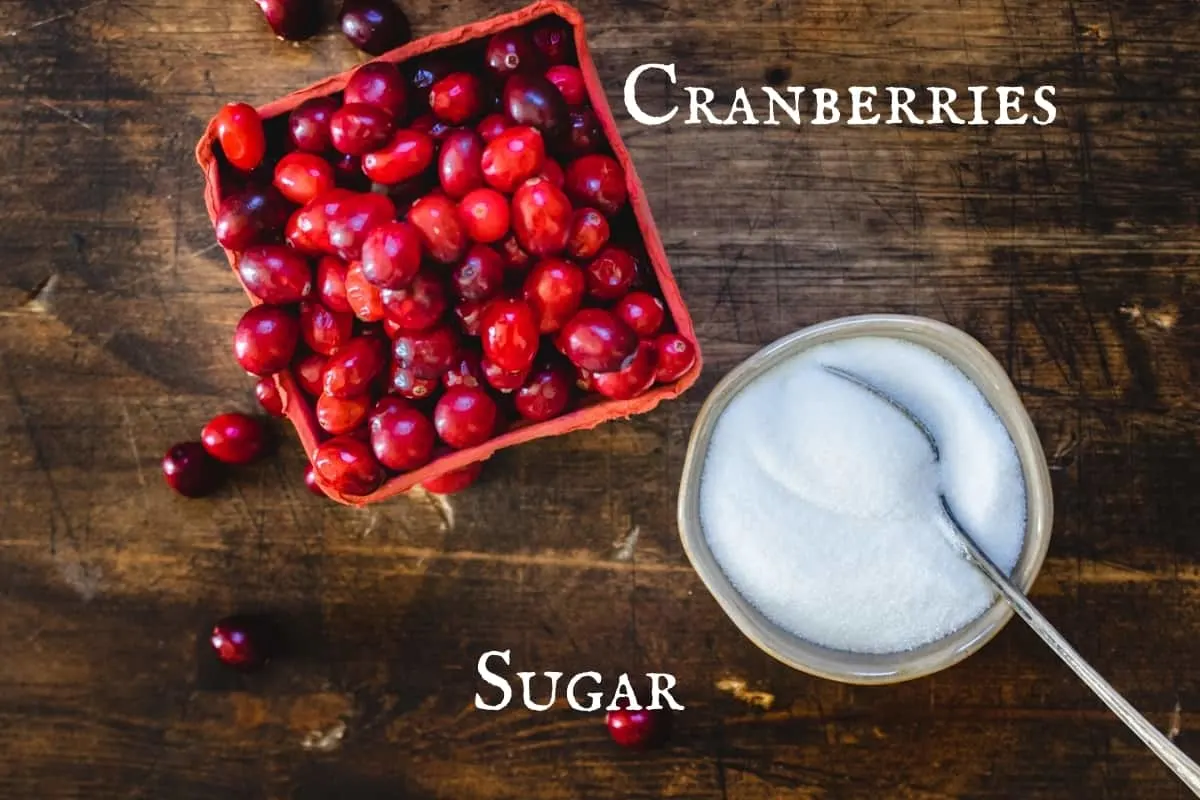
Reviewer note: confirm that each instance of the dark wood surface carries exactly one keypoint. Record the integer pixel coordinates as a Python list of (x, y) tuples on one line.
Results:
[(1069, 250)]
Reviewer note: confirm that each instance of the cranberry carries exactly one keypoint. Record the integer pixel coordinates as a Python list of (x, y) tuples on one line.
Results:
[(610, 273), (596, 340), (585, 379), (275, 274), (510, 334), (190, 470), (458, 163), (348, 466), (569, 82), (545, 394), (310, 373), (598, 181), (492, 126), (554, 289), (310, 481), (470, 316), (635, 375), (589, 233), (510, 51), (512, 158), (302, 176), (391, 255), (541, 217), (234, 438), (436, 219), (331, 284), (374, 26), (480, 275), (293, 20), (350, 371), (500, 379), (251, 216), (365, 298), (401, 436), (265, 340), (484, 215), (465, 417), (268, 396), (636, 730), (552, 172), (429, 353), (347, 170), (378, 84), (457, 98), (240, 133), (554, 39), (418, 306), (308, 124), (465, 371), (642, 312), (240, 642), (584, 134), (357, 128), (406, 383), (406, 156), (532, 100), (323, 330), (676, 355), (349, 222), (338, 415), (455, 480), (515, 257), (426, 72)]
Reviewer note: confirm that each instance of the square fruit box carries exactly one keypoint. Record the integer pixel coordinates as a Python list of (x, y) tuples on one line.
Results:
[(632, 228)]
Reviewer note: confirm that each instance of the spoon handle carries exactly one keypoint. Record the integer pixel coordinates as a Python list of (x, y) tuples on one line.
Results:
[(1179, 762)]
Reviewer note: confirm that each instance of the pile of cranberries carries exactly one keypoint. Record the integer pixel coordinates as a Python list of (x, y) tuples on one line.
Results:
[(441, 252)]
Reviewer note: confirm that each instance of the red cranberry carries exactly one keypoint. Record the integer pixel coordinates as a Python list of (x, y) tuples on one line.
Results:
[(589, 233), (310, 373), (532, 100), (391, 255), (252, 216), (554, 39), (374, 26), (401, 436), (190, 470), (265, 340), (331, 284), (470, 316), (293, 20), (455, 480), (541, 217), (268, 396), (240, 642), (552, 172), (310, 481), (636, 730), (338, 415), (492, 126), (465, 371), (457, 98), (302, 176), (240, 132), (323, 330), (365, 298), (500, 379), (352, 219), (642, 312), (275, 274), (465, 417), (545, 394), (347, 171), (515, 257), (584, 134), (350, 371), (308, 124), (348, 466), (458, 163), (554, 290), (596, 340), (406, 383), (512, 158), (406, 156), (598, 181), (676, 355), (510, 334), (484, 215), (569, 82), (234, 438), (418, 306), (635, 375), (358, 128), (480, 275), (610, 273), (379, 84), (429, 353), (511, 51), (436, 219)]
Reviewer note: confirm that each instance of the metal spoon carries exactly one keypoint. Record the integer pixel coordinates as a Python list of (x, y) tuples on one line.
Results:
[(1184, 767)]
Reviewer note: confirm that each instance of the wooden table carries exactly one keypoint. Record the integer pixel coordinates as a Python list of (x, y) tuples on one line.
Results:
[(1069, 250)]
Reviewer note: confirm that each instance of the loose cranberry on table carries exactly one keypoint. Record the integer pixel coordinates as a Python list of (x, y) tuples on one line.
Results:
[(589, 233), (365, 299), (457, 98), (252, 216), (492, 126), (405, 382), (584, 134), (510, 334), (530, 99), (545, 394), (633, 377), (597, 180), (417, 306), (480, 275), (300, 176), (324, 330), (379, 84), (513, 157), (241, 642), (676, 355), (469, 314), (268, 396), (555, 40), (554, 289), (503, 380), (465, 370), (234, 438), (348, 465), (391, 255), (308, 124), (455, 480), (240, 133), (310, 481), (407, 155), (465, 417), (275, 274), (596, 340), (265, 339), (358, 129), (484, 215), (309, 371), (429, 353), (641, 311), (293, 20), (190, 470), (511, 51), (636, 730), (569, 82), (350, 371), (339, 415), (541, 217), (374, 26), (401, 436), (610, 273), (515, 257), (458, 163), (331, 284), (436, 219)]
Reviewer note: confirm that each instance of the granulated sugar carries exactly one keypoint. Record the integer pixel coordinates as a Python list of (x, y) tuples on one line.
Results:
[(820, 501)]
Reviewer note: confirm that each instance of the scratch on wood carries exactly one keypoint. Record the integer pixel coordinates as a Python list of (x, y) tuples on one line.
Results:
[(38, 301), (1163, 317), (441, 504), (625, 546), (740, 691), (66, 115), (1176, 721), (325, 741)]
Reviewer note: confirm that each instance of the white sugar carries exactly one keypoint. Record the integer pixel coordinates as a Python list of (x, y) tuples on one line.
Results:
[(820, 501)]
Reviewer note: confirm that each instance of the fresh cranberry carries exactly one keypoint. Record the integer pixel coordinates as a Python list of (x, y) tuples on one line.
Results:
[(437, 129), (293, 20), (365, 299), (511, 51), (635, 375), (455, 480), (515, 257), (676, 355), (391, 255), (541, 217), (240, 642), (598, 181), (510, 334), (190, 470), (309, 371), (492, 126), (339, 415), (378, 84), (636, 730), (240, 133), (419, 305), (348, 172), (512, 158), (470, 316), (348, 465), (596, 340), (234, 438), (401, 436), (374, 26), (310, 481), (349, 222), (585, 379), (484, 215), (429, 353), (610, 273), (465, 417), (457, 98), (642, 312), (458, 163), (406, 383), (358, 128), (552, 172), (554, 39), (308, 124), (331, 284), (350, 371), (427, 71), (302, 176), (465, 371), (480, 275), (503, 380), (267, 393), (554, 289), (545, 394), (407, 155), (275, 274), (569, 82), (251, 216), (436, 219), (323, 330), (584, 134), (589, 233), (530, 99), (265, 340)]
